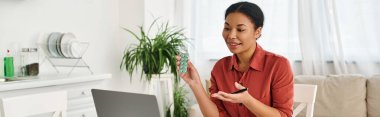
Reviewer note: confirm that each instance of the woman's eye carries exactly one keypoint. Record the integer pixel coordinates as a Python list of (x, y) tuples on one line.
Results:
[(227, 29), (240, 30)]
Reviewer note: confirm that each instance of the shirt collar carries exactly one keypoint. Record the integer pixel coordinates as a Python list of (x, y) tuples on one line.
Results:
[(257, 59)]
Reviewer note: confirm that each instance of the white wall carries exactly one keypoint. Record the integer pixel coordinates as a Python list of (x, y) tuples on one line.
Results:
[(134, 13), (163, 9), (131, 14), (93, 21), (98, 22)]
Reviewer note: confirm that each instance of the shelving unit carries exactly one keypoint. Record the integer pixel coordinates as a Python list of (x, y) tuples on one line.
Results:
[(68, 62), (63, 50)]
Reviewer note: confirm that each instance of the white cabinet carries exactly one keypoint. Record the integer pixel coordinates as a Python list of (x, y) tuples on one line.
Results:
[(80, 103)]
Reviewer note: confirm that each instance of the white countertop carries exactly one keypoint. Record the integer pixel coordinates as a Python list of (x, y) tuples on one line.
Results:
[(43, 81)]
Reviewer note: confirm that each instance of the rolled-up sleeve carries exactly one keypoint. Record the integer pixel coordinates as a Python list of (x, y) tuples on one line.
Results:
[(283, 88)]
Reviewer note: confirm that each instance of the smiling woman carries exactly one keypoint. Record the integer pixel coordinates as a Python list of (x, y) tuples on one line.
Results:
[(265, 80), (317, 37)]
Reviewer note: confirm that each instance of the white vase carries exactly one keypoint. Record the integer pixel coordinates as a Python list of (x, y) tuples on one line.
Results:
[(162, 87)]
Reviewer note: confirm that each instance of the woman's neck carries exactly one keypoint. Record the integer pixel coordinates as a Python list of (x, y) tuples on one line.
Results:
[(244, 58)]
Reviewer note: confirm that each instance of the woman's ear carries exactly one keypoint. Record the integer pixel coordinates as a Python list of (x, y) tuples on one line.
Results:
[(258, 33)]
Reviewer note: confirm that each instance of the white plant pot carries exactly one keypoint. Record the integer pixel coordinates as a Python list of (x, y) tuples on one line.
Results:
[(162, 87)]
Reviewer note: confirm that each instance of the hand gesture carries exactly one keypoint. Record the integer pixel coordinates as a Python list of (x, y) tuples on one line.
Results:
[(233, 98), (191, 76)]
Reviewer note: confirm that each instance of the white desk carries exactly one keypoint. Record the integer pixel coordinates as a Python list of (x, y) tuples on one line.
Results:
[(80, 103)]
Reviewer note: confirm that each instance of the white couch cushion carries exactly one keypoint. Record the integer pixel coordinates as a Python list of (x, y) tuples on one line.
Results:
[(338, 95), (373, 96)]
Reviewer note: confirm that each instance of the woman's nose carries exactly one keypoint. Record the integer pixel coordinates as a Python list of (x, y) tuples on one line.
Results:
[(232, 34)]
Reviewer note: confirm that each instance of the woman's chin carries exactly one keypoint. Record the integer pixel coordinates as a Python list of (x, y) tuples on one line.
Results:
[(234, 51)]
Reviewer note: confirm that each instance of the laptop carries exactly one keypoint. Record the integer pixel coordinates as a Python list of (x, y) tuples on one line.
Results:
[(124, 104)]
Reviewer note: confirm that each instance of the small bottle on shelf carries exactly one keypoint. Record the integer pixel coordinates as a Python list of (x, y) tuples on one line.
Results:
[(8, 66)]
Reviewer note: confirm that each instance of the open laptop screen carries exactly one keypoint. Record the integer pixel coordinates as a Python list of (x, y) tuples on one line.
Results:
[(124, 104)]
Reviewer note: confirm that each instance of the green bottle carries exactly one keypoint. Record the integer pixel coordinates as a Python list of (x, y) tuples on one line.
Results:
[(8, 66)]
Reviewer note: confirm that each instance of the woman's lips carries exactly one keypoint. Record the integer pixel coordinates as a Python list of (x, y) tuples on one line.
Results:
[(233, 45)]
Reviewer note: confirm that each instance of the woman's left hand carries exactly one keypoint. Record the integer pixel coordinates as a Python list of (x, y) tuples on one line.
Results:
[(233, 98)]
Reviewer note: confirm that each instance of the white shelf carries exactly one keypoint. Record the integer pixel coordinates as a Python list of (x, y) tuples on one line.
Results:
[(44, 81)]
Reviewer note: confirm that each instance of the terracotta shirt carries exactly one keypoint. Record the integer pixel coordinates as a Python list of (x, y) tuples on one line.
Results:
[(269, 79)]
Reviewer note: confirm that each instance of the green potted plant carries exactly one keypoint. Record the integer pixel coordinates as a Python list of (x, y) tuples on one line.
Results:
[(154, 53), (180, 102)]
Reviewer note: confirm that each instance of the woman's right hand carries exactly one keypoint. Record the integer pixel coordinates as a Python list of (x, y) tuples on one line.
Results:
[(191, 77)]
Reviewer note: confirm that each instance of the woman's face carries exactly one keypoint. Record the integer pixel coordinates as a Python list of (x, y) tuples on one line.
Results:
[(239, 33)]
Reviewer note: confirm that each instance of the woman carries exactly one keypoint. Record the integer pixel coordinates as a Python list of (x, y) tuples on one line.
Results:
[(267, 76)]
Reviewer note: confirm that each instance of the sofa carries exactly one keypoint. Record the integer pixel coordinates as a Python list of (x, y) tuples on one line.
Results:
[(338, 96), (345, 95)]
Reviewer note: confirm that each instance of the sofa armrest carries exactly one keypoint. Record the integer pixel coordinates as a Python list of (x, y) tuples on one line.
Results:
[(373, 96)]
